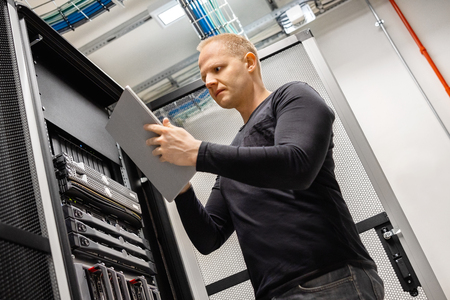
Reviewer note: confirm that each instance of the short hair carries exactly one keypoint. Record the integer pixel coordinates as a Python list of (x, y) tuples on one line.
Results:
[(236, 45)]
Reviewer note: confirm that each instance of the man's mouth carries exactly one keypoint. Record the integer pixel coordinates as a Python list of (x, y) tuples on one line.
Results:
[(219, 91)]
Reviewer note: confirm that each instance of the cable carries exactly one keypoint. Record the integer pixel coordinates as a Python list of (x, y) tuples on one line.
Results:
[(208, 17), (421, 47), (73, 13)]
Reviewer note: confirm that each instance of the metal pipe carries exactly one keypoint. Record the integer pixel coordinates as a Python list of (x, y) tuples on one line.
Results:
[(421, 47), (380, 24)]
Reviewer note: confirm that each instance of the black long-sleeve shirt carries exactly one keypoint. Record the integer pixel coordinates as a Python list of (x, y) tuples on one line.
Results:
[(276, 187)]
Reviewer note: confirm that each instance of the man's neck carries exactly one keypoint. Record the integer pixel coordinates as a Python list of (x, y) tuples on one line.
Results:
[(259, 95)]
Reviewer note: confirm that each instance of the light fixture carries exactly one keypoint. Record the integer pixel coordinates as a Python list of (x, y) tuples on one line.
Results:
[(168, 13), (295, 17)]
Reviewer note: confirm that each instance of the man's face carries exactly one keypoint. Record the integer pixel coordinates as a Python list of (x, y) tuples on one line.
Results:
[(225, 75)]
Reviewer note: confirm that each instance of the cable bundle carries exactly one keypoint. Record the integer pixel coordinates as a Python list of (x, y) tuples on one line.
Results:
[(181, 110), (211, 17), (74, 13)]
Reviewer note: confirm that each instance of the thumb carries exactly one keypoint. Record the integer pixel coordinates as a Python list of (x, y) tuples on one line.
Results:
[(166, 123)]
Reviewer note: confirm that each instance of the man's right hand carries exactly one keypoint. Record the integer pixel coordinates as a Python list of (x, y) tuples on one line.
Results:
[(174, 144)]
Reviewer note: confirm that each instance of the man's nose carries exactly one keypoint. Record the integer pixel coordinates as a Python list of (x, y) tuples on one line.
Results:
[(210, 81)]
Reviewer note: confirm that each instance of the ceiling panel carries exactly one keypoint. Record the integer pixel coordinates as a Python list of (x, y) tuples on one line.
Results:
[(149, 49), (146, 51), (106, 21)]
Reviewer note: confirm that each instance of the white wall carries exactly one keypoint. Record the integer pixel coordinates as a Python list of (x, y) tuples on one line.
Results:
[(409, 143)]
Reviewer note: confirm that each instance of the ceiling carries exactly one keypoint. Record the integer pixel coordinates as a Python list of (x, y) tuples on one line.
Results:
[(148, 50)]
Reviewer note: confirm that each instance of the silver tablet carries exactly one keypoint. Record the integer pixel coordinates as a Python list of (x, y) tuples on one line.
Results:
[(126, 127)]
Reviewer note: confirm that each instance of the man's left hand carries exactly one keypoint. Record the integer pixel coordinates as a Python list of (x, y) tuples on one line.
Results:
[(174, 144)]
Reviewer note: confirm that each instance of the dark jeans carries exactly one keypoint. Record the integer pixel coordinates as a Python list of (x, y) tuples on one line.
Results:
[(347, 283)]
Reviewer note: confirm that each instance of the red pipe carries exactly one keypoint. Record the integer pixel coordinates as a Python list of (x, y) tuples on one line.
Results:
[(421, 47)]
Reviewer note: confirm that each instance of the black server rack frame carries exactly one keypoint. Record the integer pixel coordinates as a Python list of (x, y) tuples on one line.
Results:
[(70, 86)]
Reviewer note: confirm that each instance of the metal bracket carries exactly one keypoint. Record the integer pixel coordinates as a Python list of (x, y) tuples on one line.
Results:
[(273, 6), (388, 234), (389, 238), (35, 39), (379, 23), (123, 170)]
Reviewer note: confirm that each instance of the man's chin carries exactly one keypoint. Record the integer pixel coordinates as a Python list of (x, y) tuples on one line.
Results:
[(224, 104)]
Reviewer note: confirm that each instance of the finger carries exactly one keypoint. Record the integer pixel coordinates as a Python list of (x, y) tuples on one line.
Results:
[(154, 128), (156, 151), (152, 141), (166, 122)]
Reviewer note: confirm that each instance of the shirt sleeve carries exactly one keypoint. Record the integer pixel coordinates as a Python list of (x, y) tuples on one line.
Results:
[(302, 138), (207, 227)]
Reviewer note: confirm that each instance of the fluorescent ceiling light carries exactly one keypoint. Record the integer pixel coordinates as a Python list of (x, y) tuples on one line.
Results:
[(167, 14), (172, 14)]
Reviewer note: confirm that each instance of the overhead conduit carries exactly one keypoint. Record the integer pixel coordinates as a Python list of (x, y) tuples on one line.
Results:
[(421, 47), (211, 17), (74, 13)]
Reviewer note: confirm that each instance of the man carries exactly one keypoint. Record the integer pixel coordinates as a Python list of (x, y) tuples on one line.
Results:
[(275, 186)]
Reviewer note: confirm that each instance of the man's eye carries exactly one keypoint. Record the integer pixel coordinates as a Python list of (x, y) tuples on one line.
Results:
[(217, 69)]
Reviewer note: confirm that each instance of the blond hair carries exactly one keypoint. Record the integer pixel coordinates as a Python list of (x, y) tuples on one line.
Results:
[(235, 44)]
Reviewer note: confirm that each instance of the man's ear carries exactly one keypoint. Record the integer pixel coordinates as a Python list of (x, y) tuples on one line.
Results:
[(251, 61)]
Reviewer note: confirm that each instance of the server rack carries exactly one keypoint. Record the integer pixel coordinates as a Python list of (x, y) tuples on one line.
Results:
[(77, 221)]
